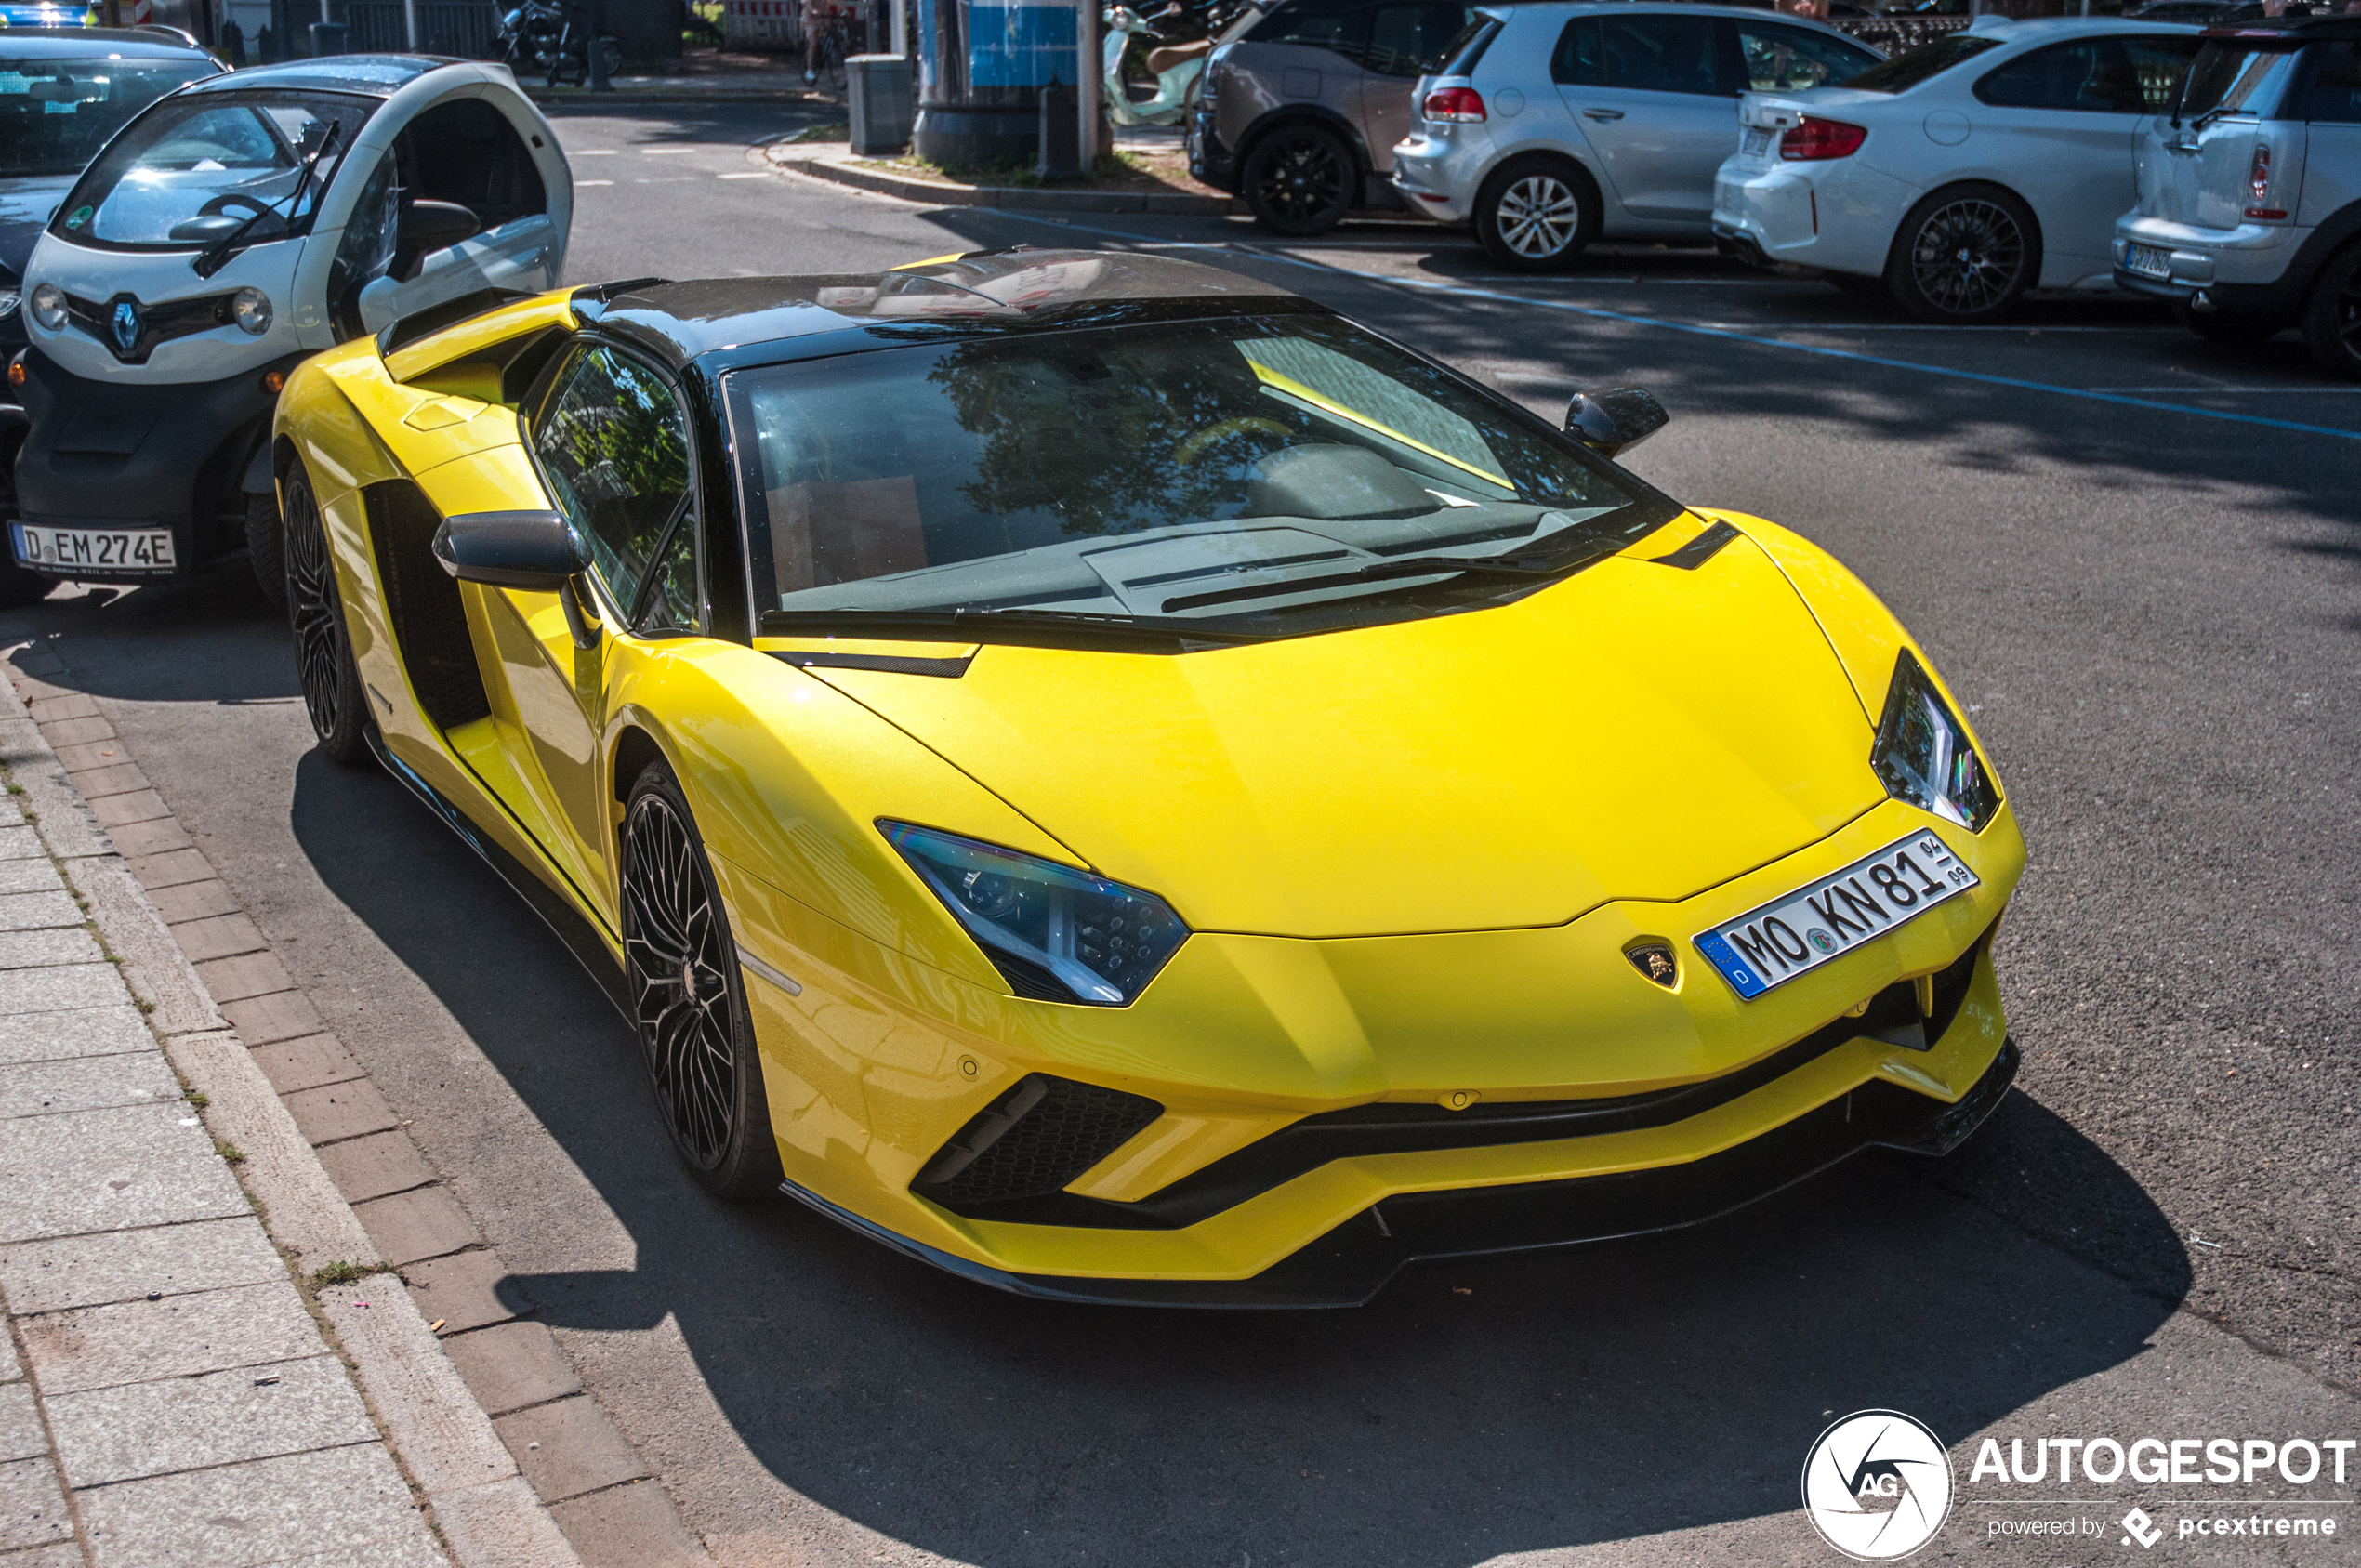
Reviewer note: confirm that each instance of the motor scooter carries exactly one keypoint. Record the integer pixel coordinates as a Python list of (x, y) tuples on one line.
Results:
[(1176, 67)]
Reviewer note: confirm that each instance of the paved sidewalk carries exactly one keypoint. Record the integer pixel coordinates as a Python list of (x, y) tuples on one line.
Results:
[(170, 1391)]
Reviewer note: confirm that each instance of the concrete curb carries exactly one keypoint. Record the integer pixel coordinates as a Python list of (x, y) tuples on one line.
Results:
[(490, 1518), (621, 95), (819, 166)]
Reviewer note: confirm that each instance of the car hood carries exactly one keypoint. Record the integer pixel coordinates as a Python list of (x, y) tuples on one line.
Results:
[(1637, 732), (25, 205)]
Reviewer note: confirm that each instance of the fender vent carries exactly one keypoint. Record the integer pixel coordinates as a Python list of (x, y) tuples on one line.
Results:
[(1031, 1141), (422, 602)]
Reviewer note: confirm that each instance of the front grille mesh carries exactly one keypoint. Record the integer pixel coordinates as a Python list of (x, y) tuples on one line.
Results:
[(1032, 1140)]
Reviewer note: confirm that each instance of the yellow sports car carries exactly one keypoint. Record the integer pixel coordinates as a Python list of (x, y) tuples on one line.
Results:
[(1108, 777)]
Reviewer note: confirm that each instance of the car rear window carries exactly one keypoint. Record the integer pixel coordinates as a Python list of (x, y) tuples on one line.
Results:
[(1928, 61), (1460, 55), (2232, 74), (2111, 75)]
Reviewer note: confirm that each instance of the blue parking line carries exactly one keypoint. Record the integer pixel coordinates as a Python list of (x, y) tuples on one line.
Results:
[(1463, 292)]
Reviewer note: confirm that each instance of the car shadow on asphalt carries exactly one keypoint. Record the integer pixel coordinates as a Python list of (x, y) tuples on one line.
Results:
[(1473, 1409)]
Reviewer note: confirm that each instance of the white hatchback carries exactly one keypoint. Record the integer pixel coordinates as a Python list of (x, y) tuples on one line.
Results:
[(1959, 174)]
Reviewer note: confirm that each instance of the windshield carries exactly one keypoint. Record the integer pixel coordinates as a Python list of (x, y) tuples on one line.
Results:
[(194, 170), (61, 111), (2229, 76), (1246, 476), (1907, 71)]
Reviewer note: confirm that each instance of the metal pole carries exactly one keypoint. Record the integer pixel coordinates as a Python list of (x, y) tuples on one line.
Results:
[(410, 25), (1085, 71), (899, 30)]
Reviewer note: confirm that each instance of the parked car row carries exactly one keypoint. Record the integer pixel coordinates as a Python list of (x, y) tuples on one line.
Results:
[(2068, 154)]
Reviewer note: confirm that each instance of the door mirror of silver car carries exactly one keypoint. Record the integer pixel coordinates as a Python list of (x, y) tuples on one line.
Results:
[(1608, 419)]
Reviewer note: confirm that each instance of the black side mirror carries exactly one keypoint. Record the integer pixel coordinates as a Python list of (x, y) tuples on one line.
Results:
[(537, 552), (1608, 419)]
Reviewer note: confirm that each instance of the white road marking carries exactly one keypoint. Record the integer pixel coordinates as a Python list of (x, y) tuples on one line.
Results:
[(664, 152), (741, 177), (580, 183), (590, 152)]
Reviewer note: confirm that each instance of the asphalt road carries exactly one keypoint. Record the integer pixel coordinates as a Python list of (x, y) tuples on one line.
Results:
[(2134, 555)]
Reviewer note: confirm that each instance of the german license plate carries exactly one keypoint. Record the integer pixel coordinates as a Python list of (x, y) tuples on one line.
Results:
[(114, 549), (1758, 141), (1802, 930), (2149, 261)]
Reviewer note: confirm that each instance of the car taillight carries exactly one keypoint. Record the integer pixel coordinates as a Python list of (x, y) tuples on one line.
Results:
[(2259, 174), (1458, 105), (1822, 139)]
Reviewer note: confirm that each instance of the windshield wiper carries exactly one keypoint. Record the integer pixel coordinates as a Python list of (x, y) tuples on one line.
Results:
[(217, 256), (1377, 571), (1046, 628)]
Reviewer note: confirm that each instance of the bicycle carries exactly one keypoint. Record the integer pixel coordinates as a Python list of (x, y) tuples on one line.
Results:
[(825, 49)]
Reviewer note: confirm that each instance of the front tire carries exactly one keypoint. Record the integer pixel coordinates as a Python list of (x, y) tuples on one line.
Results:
[(1965, 255), (686, 995), (333, 694), (2332, 316), (1535, 214), (267, 548), (1299, 181)]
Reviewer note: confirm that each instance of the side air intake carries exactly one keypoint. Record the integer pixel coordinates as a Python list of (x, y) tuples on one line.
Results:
[(1032, 1140)]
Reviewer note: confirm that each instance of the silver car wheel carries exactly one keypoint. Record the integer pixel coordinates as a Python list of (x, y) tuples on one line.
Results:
[(1967, 255), (1538, 215)]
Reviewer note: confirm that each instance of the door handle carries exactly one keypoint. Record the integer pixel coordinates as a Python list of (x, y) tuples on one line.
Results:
[(1602, 114)]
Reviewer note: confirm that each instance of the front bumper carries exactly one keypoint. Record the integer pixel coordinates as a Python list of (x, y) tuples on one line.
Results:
[(1210, 162), (1352, 1263), (105, 455), (1258, 1048)]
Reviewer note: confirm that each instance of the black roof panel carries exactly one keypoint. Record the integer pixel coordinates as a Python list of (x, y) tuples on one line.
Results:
[(756, 320)]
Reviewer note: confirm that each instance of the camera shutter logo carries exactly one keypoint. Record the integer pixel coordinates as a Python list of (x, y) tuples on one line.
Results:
[(1877, 1485)]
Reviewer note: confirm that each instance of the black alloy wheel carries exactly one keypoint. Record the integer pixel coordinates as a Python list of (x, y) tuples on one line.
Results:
[(1966, 255), (333, 694), (1535, 214), (2332, 316), (682, 964), (1299, 181)]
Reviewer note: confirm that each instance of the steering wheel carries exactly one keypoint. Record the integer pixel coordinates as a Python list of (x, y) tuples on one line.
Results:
[(222, 203), (1186, 449)]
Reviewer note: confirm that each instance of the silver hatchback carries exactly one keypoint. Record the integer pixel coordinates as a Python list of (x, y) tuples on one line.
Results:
[(1554, 125)]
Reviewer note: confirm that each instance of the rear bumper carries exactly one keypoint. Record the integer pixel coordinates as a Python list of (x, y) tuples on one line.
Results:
[(1838, 215), (1352, 1263)]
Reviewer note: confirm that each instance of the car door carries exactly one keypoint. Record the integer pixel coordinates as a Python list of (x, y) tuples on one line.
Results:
[(2063, 126), (1649, 95), (610, 438), (463, 162), (1406, 42), (1307, 52)]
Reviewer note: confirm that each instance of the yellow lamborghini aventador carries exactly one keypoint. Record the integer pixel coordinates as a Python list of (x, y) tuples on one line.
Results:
[(1109, 777)]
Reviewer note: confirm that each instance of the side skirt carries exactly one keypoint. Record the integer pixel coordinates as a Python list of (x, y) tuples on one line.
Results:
[(580, 937)]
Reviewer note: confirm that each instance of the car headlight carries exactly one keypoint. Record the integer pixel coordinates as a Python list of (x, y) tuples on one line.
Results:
[(49, 306), (1055, 934), (1924, 757), (250, 307)]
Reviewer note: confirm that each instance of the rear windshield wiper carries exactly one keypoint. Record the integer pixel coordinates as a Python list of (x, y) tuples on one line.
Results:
[(217, 254)]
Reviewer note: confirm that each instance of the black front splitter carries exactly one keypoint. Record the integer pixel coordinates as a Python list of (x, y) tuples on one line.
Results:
[(1352, 1263)]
